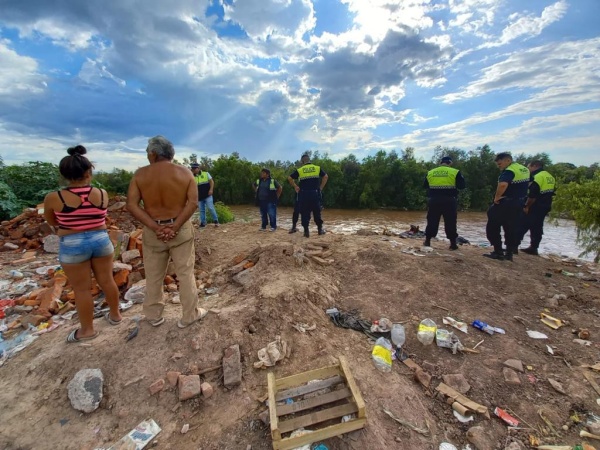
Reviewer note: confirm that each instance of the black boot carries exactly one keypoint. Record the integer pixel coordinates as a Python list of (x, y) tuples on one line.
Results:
[(530, 251), (293, 230), (453, 245), (306, 233), (427, 242), (321, 231), (508, 256)]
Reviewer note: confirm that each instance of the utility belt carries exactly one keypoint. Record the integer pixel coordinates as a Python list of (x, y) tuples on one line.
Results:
[(165, 221)]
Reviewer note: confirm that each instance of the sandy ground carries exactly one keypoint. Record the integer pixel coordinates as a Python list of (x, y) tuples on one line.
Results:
[(370, 274)]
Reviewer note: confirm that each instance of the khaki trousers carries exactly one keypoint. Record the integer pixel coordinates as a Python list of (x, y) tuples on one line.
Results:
[(156, 259)]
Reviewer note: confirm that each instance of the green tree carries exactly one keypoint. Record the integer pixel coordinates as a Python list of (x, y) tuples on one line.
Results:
[(581, 201), (31, 181), (115, 182)]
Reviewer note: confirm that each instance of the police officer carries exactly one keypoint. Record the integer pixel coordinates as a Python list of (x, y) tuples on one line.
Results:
[(539, 204), (311, 181), (442, 184), (268, 192), (504, 212), (206, 186)]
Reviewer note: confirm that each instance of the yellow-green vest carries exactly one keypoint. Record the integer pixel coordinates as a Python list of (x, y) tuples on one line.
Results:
[(271, 185), (308, 171), (545, 181), (443, 177), (520, 183), (201, 178)]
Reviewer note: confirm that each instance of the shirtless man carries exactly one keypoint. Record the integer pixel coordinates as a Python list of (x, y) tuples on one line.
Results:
[(169, 197)]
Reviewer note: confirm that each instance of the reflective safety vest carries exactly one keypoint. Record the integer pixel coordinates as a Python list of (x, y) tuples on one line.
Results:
[(203, 185), (201, 178), (271, 185), (520, 183), (308, 171), (545, 181), (443, 177)]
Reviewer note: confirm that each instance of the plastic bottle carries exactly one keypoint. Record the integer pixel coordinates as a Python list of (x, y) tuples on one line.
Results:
[(426, 333), (15, 274), (398, 335), (382, 354), (483, 326)]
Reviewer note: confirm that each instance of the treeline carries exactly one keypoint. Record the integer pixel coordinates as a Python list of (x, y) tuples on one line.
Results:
[(384, 180)]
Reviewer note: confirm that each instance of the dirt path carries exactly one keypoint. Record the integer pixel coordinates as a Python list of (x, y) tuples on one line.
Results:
[(370, 274)]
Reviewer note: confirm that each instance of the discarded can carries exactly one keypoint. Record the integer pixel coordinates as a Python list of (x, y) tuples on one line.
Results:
[(506, 417)]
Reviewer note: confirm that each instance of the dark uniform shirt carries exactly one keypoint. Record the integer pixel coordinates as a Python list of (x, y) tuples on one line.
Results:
[(264, 189), (309, 184)]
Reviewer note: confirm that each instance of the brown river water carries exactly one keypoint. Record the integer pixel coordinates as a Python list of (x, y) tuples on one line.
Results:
[(559, 238)]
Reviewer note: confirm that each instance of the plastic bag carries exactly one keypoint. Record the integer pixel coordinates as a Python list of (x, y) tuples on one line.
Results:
[(382, 355), (137, 292)]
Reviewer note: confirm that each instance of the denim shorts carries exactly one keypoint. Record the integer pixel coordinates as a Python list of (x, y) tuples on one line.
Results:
[(79, 247)]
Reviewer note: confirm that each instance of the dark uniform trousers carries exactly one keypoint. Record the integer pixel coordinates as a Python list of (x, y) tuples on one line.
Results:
[(310, 202), (504, 215), (438, 207), (534, 223)]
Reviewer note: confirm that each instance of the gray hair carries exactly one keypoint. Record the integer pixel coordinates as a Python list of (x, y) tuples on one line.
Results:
[(161, 146)]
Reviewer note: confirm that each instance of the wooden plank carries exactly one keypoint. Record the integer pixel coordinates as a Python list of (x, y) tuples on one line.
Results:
[(360, 404), (316, 417), (588, 376), (302, 405), (301, 378), (275, 433), (320, 435), (308, 388)]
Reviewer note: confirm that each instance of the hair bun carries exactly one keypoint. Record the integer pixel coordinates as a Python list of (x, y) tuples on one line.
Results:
[(77, 150)]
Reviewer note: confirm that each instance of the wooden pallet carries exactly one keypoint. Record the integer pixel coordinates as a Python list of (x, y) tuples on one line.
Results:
[(322, 414)]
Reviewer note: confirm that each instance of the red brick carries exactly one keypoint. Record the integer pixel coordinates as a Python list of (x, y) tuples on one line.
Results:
[(207, 389), (189, 387), (172, 377)]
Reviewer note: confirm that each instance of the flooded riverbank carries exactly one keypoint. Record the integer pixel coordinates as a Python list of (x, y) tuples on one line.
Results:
[(558, 238)]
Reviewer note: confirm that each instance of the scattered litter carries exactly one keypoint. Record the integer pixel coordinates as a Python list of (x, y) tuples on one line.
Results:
[(550, 321), (461, 418), (550, 350), (132, 333), (536, 335), (583, 333), (426, 331), (46, 269), (510, 420), (137, 292), (382, 355), (185, 428), (382, 325), (462, 326), (211, 291), (139, 437), (582, 342), (274, 351), (447, 446), (487, 328), (304, 327), (351, 319), (464, 401), (301, 432)]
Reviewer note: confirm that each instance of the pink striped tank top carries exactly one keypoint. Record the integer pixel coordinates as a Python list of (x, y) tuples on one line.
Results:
[(83, 217)]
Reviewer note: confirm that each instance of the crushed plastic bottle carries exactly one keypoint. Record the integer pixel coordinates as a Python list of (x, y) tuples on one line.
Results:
[(426, 332), (398, 335), (382, 354), (16, 274)]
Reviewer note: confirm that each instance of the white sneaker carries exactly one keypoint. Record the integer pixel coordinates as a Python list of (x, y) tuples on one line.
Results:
[(262, 229), (272, 229)]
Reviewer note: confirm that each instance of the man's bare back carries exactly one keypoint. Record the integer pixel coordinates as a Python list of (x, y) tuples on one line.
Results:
[(164, 189)]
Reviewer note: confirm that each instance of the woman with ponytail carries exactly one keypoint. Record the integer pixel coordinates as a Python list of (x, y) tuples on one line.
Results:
[(79, 213)]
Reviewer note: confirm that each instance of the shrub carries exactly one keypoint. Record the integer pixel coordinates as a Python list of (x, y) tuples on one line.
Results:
[(225, 214)]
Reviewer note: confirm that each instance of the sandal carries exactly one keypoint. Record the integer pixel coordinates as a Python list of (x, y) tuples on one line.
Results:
[(157, 322), (112, 322), (72, 337), (203, 312)]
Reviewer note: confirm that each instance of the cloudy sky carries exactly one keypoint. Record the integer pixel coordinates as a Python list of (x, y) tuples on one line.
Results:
[(272, 78)]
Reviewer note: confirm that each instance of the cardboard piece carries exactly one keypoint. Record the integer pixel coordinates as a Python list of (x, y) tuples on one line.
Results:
[(139, 437), (466, 402)]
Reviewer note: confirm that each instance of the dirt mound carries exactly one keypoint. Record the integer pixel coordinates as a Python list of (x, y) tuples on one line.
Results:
[(258, 286)]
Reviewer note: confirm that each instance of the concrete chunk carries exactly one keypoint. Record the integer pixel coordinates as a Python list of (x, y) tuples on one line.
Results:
[(458, 382), (514, 364), (232, 366), (85, 390), (510, 376)]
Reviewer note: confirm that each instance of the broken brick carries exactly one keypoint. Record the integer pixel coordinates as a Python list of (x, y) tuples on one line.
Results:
[(189, 386)]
